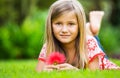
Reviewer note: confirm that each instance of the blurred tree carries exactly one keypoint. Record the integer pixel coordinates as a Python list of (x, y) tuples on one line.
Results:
[(7, 12), (24, 7), (97, 4), (43, 4), (115, 14), (15, 10)]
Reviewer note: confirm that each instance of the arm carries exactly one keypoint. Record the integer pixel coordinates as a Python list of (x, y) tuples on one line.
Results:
[(93, 65), (41, 59), (40, 66), (66, 66), (95, 54)]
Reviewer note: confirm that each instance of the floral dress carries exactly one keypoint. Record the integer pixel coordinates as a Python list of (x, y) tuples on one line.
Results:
[(94, 51)]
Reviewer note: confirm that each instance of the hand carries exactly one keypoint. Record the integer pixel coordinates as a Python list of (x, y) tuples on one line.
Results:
[(66, 66), (49, 68)]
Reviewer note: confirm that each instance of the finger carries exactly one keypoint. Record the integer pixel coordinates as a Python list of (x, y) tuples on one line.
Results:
[(51, 67), (69, 68), (62, 65), (64, 69), (48, 70)]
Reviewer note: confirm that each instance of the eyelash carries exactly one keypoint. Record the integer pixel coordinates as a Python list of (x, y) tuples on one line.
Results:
[(58, 23), (71, 23), (68, 23)]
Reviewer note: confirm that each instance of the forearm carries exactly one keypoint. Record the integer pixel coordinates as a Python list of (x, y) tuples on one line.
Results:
[(94, 65), (40, 66)]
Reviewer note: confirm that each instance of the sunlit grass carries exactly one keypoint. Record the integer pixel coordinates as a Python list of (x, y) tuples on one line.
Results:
[(26, 69)]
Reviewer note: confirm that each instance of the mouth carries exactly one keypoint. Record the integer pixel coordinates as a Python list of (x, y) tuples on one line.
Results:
[(64, 36)]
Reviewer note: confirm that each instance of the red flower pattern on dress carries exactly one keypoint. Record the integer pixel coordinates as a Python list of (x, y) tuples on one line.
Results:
[(109, 65), (42, 55), (91, 44), (104, 63), (55, 58)]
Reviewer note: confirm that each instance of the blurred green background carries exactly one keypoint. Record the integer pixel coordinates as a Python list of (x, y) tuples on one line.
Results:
[(22, 26)]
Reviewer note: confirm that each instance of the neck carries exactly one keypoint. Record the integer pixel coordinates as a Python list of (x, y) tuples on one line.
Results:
[(69, 47)]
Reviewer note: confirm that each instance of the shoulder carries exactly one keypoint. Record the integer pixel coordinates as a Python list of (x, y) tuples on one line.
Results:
[(42, 54), (91, 38), (91, 43)]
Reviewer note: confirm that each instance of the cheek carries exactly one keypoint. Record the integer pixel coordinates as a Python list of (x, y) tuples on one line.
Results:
[(75, 33), (55, 30), (75, 30)]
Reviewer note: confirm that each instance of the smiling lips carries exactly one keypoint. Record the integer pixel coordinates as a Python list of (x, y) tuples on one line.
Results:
[(64, 36)]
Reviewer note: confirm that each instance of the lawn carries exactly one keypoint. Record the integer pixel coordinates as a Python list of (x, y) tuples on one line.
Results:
[(26, 69)]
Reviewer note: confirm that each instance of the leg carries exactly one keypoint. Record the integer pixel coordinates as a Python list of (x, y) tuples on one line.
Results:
[(95, 21), (98, 41)]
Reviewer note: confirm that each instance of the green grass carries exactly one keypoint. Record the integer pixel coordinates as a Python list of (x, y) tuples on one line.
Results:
[(26, 69)]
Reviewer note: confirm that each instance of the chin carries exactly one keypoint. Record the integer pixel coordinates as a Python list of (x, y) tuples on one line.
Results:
[(65, 42)]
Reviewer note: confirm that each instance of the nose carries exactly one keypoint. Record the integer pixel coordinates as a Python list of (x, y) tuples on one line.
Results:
[(64, 29)]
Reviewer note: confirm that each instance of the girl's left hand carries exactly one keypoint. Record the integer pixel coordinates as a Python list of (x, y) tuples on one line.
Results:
[(66, 66)]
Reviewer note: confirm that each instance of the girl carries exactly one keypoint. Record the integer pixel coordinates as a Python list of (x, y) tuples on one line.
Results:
[(66, 32)]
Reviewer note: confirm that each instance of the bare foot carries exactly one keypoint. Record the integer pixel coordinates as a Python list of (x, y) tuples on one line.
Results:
[(95, 21)]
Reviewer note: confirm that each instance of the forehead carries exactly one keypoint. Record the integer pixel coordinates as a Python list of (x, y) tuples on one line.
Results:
[(66, 16)]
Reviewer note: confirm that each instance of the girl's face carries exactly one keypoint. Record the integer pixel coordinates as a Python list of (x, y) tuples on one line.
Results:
[(65, 28)]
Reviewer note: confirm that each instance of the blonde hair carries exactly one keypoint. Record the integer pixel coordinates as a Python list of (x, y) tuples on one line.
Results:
[(58, 8)]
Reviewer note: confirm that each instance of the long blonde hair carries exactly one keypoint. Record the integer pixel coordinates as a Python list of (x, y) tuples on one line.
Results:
[(58, 8)]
